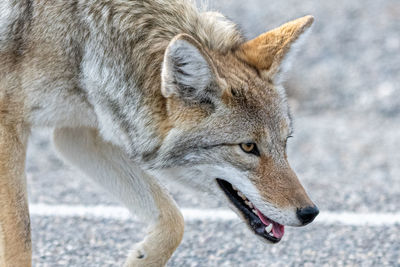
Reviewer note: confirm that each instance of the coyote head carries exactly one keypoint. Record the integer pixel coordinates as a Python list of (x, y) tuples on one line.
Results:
[(230, 124)]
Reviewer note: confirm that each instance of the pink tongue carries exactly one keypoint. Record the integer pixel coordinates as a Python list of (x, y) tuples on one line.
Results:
[(262, 217), (277, 230)]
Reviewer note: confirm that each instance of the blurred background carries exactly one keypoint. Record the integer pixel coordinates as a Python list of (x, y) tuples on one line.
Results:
[(343, 91)]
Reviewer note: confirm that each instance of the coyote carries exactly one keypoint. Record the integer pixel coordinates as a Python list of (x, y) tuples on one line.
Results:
[(139, 91)]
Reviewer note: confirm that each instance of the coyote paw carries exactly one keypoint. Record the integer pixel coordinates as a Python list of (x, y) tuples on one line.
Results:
[(137, 257), (144, 254), (138, 251)]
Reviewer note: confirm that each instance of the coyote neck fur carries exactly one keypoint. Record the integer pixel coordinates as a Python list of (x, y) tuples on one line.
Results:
[(122, 61)]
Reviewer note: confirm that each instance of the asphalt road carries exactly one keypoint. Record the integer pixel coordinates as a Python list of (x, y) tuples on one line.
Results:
[(344, 95)]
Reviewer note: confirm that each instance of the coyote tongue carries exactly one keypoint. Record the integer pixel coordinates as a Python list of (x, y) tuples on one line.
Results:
[(277, 229)]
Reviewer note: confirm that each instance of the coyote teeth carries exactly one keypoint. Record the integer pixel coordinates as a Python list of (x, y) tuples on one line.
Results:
[(240, 194), (268, 228), (248, 203)]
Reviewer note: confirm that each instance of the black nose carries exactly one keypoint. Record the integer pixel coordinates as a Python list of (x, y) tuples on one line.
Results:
[(307, 214)]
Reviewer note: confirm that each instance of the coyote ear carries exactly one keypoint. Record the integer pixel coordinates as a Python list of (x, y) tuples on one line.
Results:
[(270, 52), (186, 71)]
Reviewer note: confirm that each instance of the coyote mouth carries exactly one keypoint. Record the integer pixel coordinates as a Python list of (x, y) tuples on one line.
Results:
[(258, 222)]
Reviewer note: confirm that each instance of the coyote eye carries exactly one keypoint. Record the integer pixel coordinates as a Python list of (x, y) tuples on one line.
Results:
[(250, 148)]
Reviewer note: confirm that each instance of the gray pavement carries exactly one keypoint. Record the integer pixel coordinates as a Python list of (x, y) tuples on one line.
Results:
[(343, 92), (84, 242)]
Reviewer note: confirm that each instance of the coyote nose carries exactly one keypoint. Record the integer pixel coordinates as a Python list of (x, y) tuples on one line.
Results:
[(307, 214)]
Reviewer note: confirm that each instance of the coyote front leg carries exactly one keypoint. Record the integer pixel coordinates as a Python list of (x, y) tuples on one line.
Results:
[(15, 237), (140, 192)]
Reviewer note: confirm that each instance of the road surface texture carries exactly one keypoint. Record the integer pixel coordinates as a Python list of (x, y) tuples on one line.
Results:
[(343, 90)]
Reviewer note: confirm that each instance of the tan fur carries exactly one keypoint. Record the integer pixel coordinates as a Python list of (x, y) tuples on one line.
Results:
[(184, 116), (14, 216), (15, 242), (267, 51), (279, 185)]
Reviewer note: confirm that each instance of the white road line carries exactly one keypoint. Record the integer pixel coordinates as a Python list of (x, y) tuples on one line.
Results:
[(190, 214)]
